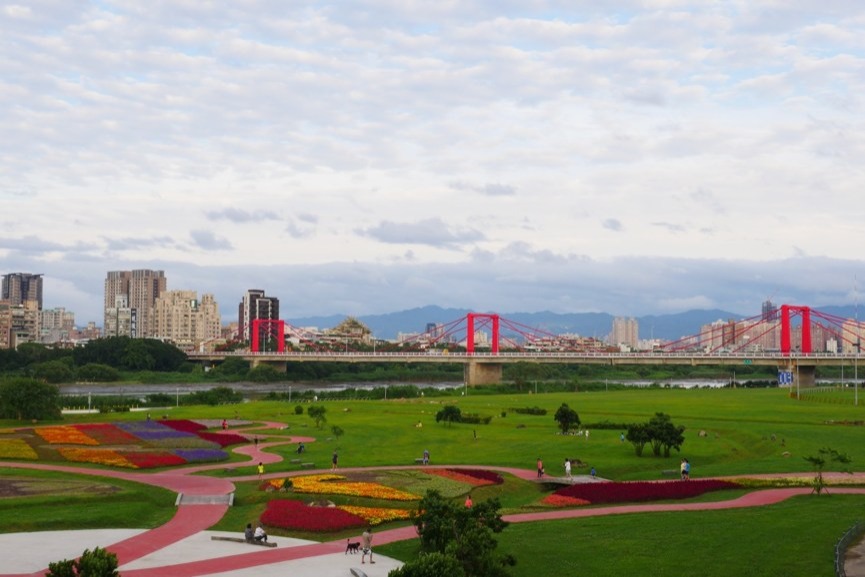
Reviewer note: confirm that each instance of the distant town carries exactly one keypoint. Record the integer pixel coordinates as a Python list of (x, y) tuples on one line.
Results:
[(138, 304)]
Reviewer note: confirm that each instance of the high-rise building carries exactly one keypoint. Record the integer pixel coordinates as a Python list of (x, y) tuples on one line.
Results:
[(769, 312), (141, 288), (184, 320), (5, 324), (20, 287), (625, 332), (57, 325), (255, 306)]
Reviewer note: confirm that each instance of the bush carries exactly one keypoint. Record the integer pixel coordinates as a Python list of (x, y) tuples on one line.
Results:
[(298, 410), (475, 419), (530, 411), (97, 373), (96, 563)]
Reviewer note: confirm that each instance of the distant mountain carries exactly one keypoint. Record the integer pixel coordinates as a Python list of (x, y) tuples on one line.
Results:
[(599, 325)]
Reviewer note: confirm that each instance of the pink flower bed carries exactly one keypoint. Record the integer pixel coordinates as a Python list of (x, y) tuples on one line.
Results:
[(636, 491), (184, 425), (153, 459), (223, 439), (299, 516), (554, 500)]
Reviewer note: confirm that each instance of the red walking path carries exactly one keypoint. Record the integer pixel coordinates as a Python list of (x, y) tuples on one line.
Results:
[(191, 519)]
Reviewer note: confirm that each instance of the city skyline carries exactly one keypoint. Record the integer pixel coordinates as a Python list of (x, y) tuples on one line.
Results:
[(359, 158)]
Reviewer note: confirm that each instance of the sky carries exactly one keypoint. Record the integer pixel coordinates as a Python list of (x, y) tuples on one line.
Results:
[(632, 157)]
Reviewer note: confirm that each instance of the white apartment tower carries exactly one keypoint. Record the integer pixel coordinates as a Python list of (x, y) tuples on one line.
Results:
[(626, 331)]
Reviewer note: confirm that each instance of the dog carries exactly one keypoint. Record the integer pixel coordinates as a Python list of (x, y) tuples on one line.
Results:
[(352, 547)]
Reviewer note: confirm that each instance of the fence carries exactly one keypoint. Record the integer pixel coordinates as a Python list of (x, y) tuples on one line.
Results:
[(852, 534)]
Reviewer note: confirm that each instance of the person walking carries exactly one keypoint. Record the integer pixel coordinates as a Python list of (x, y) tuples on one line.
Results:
[(469, 501), (540, 468), (568, 468), (260, 470), (366, 539), (426, 457), (334, 461)]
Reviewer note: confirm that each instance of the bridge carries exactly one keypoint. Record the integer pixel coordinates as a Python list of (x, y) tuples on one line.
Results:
[(765, 340)]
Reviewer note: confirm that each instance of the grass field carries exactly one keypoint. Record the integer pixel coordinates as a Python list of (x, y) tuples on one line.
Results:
[(746, 432)]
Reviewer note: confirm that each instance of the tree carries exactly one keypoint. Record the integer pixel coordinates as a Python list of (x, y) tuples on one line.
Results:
[(449, 414), (567, 418), (97, 373), (462, 533), (52, 371), (96, 563), (819, 461), (337, 431), (26, 399), (664, 434), (638, 435), (317, 414)]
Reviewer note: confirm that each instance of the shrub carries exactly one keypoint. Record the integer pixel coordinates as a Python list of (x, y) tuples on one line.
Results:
[(96, 563), (530, 411)]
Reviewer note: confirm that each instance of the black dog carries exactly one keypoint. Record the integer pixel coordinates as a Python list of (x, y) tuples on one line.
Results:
[(352, 547)]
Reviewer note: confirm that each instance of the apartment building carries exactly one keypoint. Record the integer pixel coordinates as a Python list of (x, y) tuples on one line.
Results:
[(20, 287), (626, 331), (56, 325), (255, 305), (140, 288), (181, 318)]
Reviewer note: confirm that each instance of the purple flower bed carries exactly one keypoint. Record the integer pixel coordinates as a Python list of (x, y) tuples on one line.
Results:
[(201, 455), (148, 430), (637, 491)]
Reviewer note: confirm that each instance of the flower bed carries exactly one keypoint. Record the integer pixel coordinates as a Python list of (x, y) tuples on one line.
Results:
[(200, 455), (377, 515), (329, 484), (152, 459), (98, 456), (107, 434), (152, 431), (299, 516), (636, 491), (554, 500), (223, 439), (16, 449), (473, 477), (184, 425), (64, 435)]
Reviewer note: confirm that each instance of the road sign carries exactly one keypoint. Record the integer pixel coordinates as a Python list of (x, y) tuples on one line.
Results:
[(785, 377)]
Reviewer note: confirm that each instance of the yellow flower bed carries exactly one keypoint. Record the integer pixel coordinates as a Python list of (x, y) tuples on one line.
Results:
[(377, 515), (64, 435), (97, 456), (16, 449), (336, 485)]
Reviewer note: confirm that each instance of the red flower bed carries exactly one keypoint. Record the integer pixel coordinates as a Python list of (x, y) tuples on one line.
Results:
[(108, 434), (296, 515), (184, 425), (474, 477), (635, 491), (153, 459), (223, 439)]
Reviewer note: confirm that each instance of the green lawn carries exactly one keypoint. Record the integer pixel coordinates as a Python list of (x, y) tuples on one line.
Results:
[(746, 432)]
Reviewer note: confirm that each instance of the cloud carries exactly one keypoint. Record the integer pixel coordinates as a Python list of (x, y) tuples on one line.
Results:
[(208, 241), (239, 215), (138, 243), (489, 189), (612, 224), (431, 232)]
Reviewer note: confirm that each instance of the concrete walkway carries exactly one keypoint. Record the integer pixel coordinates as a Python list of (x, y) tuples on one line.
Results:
[(183, 548)]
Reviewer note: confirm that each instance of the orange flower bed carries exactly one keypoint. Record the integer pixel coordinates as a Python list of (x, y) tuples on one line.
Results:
[(337, 485), (554, 500), (98, 456), (377, 515), (64, 435)]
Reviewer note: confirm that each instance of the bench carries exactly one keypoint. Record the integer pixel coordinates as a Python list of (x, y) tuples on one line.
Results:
[(307, 465), (667, 472), (242, 540), (418, 461)]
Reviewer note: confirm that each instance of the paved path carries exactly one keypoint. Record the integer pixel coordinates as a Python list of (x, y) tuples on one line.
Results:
[(193, 520)]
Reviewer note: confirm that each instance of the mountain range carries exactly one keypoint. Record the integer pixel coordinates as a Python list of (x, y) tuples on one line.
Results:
[(599, 325)]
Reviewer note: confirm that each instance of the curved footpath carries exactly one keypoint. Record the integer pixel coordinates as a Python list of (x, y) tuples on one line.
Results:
[(182, 547)]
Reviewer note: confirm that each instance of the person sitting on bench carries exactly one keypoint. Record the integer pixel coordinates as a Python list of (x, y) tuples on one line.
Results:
[(248, 533), (260, 535)]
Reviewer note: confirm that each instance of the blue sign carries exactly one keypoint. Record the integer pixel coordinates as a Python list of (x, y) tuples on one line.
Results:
[(785, 377)]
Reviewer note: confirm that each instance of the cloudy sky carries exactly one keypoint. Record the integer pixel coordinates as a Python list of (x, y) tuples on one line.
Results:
[(632, 157)]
